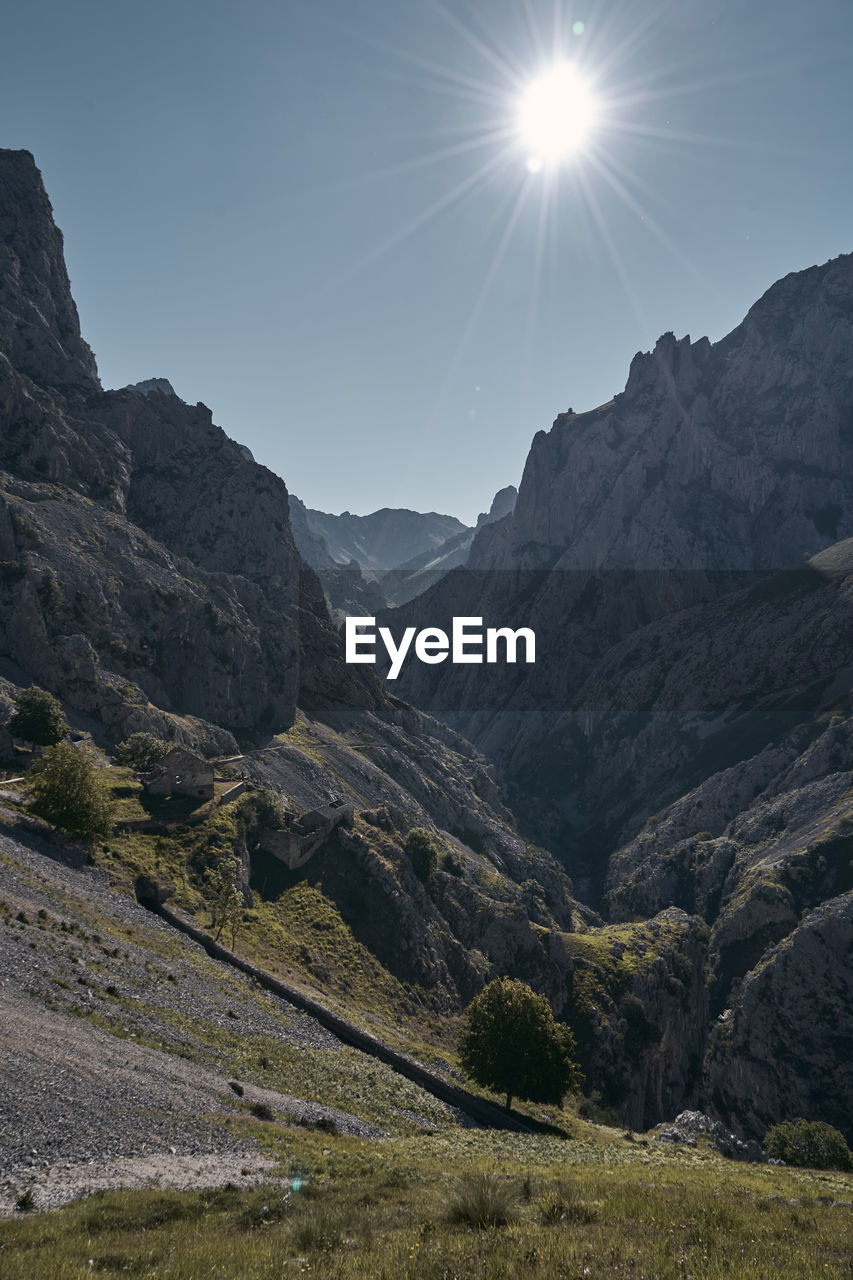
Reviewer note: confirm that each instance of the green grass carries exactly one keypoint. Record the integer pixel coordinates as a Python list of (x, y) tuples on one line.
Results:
[(403, 1208)]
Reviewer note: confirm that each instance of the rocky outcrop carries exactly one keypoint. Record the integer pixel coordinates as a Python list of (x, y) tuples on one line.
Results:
[(689, 1125), (39, 326), (783, 1048)]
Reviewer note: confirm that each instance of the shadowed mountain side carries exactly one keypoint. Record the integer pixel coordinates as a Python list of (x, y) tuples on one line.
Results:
[(148, 566)]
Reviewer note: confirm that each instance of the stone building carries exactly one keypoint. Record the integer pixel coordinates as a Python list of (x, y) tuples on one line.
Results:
[(180, 773), (304, 835)]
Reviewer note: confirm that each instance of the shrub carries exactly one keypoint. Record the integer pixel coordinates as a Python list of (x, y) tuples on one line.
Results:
[(70, 792), (512, 1043), (812, 1143), (26, 1201), (141, 751), (39, 718), (263, 811), (423, 852), (479, 1201)]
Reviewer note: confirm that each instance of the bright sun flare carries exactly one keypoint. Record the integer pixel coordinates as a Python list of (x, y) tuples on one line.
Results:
[(557, 112)]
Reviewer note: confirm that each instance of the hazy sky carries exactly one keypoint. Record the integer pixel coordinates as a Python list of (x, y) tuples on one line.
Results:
[(317, 217)]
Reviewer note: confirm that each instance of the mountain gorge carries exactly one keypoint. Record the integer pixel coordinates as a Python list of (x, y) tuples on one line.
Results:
[(150, 580), (682, 748)]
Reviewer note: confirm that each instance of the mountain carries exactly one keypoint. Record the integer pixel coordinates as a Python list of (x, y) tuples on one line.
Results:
[(413, 577), (683, 746), (150, 580), (716, 462), (370, 564), (684, 738), (382, 540)]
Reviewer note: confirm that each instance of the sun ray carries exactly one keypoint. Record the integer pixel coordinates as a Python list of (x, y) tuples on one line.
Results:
[(398, 237), (533, 30), (545, 198), (613, 253), (476, 309), (619, 51), (617, 185), (513, 74)]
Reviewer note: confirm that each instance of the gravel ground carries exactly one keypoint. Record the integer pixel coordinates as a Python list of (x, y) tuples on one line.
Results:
[(83, 1109)]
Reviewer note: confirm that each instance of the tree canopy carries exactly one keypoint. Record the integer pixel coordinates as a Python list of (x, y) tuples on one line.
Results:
[(513, 1044), (141, 751), (39, 718), (69, 791)]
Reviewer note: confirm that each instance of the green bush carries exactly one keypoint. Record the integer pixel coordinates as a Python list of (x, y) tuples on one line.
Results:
[(263, 811), (811, 1143), (70, 792), (141, 751), (423, 852), (39, 718)]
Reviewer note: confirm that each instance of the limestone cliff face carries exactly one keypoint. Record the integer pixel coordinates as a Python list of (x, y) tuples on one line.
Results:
[(149, 565), (737, 455), (39, 327), (783, 1048)]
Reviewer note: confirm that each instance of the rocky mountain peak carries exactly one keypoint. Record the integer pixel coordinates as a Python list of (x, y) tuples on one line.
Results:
[(149, 385), (736, 455), (39, 325), (502, 504)]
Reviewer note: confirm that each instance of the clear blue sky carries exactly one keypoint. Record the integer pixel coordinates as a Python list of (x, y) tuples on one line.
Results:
[(313, 214)]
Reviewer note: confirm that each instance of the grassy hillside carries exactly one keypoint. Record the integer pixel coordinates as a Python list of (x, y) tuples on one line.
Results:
[(436, 1207)]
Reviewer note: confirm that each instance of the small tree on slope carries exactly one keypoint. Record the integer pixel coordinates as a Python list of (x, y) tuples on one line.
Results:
[(69, 791)]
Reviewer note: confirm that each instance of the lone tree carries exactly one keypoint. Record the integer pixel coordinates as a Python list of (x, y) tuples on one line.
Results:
[(513, 1044), (226, 900), (39, 718), (69, 791)]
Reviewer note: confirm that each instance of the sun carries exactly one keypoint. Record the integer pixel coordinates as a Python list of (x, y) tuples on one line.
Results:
[(558, 111)]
